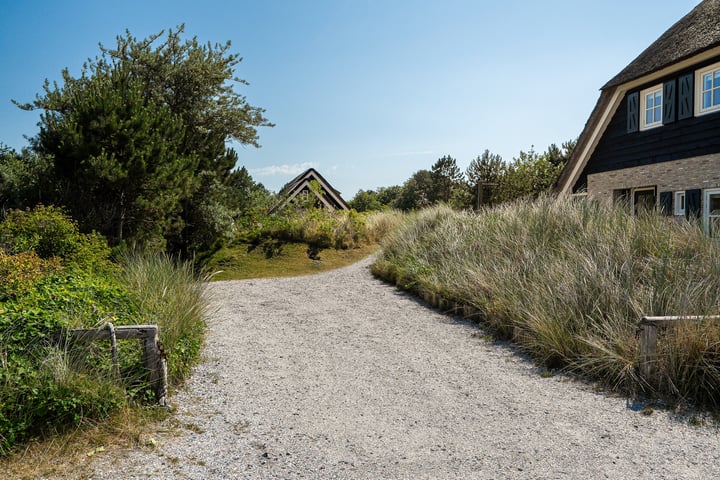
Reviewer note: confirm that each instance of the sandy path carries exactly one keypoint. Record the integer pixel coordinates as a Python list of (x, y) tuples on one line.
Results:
[(341, 376)]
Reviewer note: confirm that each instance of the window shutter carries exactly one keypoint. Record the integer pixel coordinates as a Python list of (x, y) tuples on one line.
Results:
[(633, 112), (685, 96), (669, 102), (692, 203), (666, 203)]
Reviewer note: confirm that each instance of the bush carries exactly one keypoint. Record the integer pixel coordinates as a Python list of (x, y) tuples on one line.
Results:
[(574, 278), (44, 387), (19, 273), (49, 232), (52, 278), (318, 227)]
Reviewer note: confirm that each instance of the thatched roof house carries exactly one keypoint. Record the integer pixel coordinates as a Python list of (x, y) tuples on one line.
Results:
[(653, 137), (311, 183)]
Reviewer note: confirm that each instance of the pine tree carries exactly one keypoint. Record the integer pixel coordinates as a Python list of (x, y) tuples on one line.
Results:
[(136, 136), (484, 175), (446, 176)]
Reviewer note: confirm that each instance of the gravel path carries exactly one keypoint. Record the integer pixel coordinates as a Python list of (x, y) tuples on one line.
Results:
[(341, 376)]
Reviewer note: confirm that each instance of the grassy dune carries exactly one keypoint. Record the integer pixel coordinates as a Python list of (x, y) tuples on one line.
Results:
[(574, 278)]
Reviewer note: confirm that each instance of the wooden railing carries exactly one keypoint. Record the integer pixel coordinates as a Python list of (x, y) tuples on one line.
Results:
[(153, 355)]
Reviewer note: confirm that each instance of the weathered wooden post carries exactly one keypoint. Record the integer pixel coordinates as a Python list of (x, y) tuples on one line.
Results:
[(154, 360), (114, 351), (648, 329), (153, 355), (648, 349)]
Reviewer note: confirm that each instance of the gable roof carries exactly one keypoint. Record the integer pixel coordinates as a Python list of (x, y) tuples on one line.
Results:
[(694, 36), (697, 31), (329, 197)]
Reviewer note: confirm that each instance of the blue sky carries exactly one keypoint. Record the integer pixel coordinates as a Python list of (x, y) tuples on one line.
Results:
[(365, 91)]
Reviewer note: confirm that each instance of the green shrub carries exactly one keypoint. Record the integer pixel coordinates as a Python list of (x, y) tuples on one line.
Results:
[(574, 278), (20, 272), (44, 387), (46, 394), (49, 232), (320, 228), (52, 278)]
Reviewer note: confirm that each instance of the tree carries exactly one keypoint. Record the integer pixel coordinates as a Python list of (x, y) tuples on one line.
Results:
[(416, 191), (365, 201), (558, 156), (528, 176), (25, 178), (446, 177), (137, 137), (484, 175), (224, 208), (387, 195)]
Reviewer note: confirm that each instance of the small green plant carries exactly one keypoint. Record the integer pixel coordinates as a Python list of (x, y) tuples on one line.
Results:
[(696, 421)]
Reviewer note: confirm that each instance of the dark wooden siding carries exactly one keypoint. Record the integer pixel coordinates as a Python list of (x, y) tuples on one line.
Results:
[(684, 138)]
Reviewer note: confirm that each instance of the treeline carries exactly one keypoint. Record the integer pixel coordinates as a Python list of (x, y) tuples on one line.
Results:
[(487, 181)]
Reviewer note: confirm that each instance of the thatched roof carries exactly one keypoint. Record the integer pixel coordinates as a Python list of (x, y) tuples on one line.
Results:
[(697, 31), (329, 197)]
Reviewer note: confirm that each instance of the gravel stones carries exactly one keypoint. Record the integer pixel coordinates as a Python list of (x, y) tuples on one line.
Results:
[(341, 376)]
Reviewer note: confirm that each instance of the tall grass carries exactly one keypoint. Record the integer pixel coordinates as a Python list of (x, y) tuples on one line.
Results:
[(574, 278), (170, 294), (380, 224)]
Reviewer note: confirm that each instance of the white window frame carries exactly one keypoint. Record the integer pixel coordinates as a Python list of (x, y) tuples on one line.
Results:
[(699, 110), (706, 207), (644, 125), (679, 203)]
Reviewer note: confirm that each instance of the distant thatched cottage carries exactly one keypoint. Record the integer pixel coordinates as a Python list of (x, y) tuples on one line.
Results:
[(653, 139), (311, 184)]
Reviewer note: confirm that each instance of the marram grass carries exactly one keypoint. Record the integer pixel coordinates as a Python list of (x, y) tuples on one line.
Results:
[(575, 278)]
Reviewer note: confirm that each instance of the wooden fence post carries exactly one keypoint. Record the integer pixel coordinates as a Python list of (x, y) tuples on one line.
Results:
[(648, 350), (154, 361), (648, 329), (153, 355)]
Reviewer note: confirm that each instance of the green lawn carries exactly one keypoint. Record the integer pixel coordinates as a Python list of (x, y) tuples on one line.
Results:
[(244, 261)]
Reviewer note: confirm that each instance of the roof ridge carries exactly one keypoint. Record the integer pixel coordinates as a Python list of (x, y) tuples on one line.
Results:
[(697, 31)]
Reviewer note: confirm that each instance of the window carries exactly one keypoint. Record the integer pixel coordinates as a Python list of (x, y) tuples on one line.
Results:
[(643, 200), (679, 203), (712, 212), (651, 113), (707, 88)]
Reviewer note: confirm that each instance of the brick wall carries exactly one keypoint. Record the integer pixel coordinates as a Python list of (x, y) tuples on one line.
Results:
[(697, 172)]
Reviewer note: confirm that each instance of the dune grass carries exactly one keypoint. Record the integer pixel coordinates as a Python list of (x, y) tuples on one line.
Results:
[(574, 278)]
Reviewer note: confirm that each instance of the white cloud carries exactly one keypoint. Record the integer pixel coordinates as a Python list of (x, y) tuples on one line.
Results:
[(294, 169)]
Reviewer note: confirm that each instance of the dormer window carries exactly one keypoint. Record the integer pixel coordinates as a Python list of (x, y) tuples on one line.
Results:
[(707, 87), (651, 113)]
